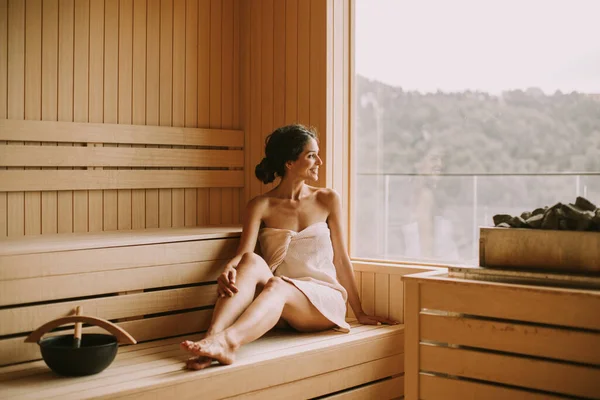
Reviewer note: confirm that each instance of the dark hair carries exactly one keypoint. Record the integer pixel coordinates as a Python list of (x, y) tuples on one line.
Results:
[(283, 145)]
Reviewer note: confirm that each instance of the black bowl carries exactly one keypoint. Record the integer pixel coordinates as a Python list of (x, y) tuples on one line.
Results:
[(96, 353)]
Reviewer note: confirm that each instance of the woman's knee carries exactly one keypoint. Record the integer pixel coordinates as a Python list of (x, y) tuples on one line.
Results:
[(252, 263), (275, 283)]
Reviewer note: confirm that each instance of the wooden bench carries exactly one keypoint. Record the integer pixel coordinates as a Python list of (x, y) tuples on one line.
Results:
[(159, 285)]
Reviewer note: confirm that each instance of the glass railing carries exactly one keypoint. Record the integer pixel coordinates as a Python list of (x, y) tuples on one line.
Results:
[(436, 218)]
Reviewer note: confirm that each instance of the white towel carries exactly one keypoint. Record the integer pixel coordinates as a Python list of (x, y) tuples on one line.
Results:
[(305, 259)]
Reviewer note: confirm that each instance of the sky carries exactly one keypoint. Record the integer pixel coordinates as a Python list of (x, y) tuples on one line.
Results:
[(486, 45)]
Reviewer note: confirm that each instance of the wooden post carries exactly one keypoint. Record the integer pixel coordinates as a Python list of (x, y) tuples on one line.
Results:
[(412, 308)]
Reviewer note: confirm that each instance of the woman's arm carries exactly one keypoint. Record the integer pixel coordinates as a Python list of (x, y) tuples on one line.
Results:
[(342, 263), (251, 224)]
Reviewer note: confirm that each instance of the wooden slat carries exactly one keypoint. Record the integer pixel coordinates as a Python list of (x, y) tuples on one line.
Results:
[(152, 96), (438, 387), (279, 48), (125, 99), (263, 370), (139, 63), (36, 156), (236, 119), (73, 132), (512, 337), (358, 280), (396, 298), (215, 71), (111, 61), (382, 289), (33, 100), (78, 241), (245, 92), (291, 62), (3, 99), (15, 350), (191, 206), (27, 319), (66, 51), (226, 206), (387, 389), (367, 297), (304, 21), (96, 103), (66, 9), (21, 180), (575, 380), (179, 98), (81, 62), (227, 50), (165, 115), (336, 381), (67, 286), (215, 206), (216, 92), (3, 67), (204, 22), (81, 99), (15, 202), (202, 213), (50, 93), (113, 258), (567, 307), (16, 55), (191, 96)]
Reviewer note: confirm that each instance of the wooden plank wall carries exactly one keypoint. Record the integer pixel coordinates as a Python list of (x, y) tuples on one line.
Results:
[(141, 62), (381, 288), (283, 74)]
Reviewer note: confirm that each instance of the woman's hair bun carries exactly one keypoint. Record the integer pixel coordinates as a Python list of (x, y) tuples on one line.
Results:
[(264, 172)]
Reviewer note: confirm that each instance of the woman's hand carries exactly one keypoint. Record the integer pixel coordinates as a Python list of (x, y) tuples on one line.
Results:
[(374, 320), (226, 282)]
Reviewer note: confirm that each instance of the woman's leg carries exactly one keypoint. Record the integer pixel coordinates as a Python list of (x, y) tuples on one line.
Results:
[(278, 299), (252, 275)]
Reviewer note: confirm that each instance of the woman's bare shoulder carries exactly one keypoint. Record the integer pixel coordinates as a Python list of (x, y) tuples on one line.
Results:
[(327, 196), (258, 203)]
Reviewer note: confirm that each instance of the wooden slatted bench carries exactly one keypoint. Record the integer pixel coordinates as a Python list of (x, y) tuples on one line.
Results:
[(159, 285)]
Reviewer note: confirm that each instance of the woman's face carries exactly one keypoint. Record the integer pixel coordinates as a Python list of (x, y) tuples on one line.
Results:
[(307, 164)]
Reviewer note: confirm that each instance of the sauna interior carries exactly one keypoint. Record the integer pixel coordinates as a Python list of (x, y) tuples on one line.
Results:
[(129, 134)]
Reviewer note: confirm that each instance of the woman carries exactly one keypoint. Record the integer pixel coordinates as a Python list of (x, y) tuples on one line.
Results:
[(305, 277)]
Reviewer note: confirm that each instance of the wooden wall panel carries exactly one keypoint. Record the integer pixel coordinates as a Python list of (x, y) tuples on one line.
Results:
[(3, 98), (204, 27), (65, 107), (15, 202), (284, 78), (50, 52), (33, 100), (81, 98), (141, 62)]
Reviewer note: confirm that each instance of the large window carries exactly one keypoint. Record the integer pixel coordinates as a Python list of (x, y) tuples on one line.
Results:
[(467, 109)]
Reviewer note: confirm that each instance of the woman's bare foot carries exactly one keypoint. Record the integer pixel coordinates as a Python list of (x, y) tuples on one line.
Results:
[(214, 347), (197, 363)]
